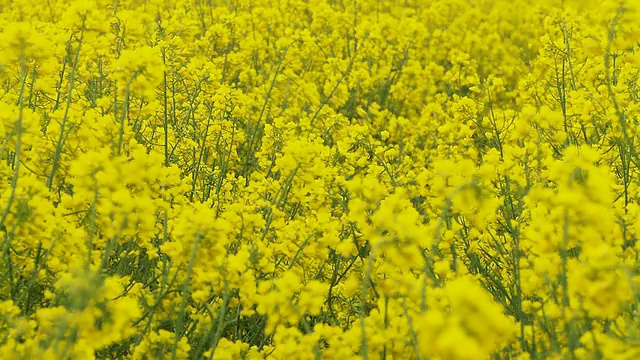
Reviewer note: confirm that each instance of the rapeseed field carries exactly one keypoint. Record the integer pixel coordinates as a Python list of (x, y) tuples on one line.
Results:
[(319, 179)]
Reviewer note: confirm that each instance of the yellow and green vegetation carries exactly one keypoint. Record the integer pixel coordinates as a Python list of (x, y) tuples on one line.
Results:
[(311, 179)]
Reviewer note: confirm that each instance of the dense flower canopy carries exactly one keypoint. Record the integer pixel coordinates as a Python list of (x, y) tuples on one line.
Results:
[(307, 179)]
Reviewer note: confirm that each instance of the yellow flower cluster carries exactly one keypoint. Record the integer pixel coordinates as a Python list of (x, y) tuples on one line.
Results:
[(310, 179)]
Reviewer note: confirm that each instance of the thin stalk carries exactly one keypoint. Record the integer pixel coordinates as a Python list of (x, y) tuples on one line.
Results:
[(59, 144)]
